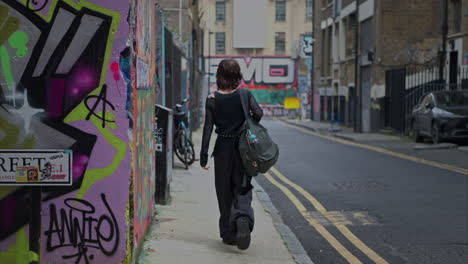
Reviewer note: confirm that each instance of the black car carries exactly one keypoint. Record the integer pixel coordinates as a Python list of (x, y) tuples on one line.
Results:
[(441, 116)]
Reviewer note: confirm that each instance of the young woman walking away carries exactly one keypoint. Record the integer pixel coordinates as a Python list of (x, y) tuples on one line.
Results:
[(233, 186)]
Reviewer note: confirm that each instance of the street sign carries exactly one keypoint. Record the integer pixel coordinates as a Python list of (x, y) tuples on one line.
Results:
[(292, 103), (36, 167)]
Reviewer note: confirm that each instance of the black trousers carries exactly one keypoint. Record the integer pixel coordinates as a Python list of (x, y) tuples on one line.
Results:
[(233, 187)]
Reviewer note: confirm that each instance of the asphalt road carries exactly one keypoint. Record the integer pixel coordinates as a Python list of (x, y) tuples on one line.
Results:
[(348, 204)]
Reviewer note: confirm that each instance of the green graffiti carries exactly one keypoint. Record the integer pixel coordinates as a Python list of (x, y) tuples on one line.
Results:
[(18, 40), (271, 96), (11, 25), (19, 252), (3, 13), (95, 175), (6, 66), (11, 137)]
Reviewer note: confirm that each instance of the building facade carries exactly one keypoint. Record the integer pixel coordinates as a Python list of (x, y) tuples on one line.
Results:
[(272, 41), (391, 34), (457, 42)]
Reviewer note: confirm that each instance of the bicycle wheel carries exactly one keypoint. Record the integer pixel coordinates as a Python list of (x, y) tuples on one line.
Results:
[(179, 151), (190, 152)]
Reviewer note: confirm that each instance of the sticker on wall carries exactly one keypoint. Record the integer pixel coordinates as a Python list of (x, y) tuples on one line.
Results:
[(36, 167)]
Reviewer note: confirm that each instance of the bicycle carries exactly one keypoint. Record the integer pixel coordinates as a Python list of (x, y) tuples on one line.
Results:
[(183, 147)]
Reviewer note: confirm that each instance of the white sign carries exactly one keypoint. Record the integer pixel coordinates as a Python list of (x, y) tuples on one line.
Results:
[(266, 70), (250, 18), (36, 167)]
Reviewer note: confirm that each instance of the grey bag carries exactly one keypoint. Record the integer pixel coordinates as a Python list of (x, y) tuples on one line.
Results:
[(258, 151)]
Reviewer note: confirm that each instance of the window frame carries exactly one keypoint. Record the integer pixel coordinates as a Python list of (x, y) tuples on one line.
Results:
[(280, 16), (279, 39), (218, 12), (217, 42), (309, 9)]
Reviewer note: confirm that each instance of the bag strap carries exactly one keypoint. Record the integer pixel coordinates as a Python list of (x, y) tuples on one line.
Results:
[(245, 103)]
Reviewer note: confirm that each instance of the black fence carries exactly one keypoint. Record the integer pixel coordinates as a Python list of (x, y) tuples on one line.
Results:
[(406, 86)]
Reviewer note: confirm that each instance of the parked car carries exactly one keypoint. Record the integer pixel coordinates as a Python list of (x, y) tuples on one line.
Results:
[(441, 116)]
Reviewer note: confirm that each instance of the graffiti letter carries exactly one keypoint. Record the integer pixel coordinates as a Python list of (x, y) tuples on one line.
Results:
[(92, 111)]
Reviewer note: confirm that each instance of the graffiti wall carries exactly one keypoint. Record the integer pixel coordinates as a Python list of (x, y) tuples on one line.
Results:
[(62, 87), (145, 100), (305, 86), (270, 79)]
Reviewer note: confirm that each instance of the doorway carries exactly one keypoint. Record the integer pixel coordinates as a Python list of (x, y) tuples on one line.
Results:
[(453, 70)]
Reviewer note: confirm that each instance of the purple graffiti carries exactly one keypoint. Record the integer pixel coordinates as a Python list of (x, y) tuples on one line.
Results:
[(102, 97), (79, 227), (36, 6)]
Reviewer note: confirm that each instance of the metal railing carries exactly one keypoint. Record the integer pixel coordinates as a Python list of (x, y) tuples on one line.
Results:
[(406, 86)]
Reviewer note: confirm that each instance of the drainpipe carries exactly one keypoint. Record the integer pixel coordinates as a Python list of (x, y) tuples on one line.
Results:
[(357, 101), (312, 86)]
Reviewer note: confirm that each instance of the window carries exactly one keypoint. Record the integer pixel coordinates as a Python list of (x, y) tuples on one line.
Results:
[(220, 10), (280, 10), (337, 7), (457, 15), (280, 41), (220, 42), (350, 35), (309, 9)]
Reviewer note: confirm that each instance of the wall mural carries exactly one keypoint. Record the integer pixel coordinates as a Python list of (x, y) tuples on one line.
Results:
[(144, 101), (270, 79), (61, 88)]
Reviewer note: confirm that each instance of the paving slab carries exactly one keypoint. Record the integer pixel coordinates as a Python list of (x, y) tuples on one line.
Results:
[(186, 231)]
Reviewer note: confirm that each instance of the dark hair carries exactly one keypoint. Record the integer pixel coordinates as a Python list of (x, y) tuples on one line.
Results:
[(228, 75)]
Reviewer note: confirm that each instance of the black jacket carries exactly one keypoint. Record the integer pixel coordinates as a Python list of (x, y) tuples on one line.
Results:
[(225, 112)]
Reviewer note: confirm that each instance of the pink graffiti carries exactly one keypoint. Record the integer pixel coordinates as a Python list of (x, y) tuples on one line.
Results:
[(79, 164), (114, 67), (277, 72)]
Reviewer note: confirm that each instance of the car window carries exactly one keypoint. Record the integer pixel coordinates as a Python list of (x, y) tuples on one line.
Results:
[(452, 99)]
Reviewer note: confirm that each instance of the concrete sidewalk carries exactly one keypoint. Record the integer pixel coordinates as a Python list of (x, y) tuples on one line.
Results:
[(187, 230)]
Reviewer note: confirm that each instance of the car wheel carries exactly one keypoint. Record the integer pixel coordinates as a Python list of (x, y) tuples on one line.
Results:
[(415, 133), (435, 134)]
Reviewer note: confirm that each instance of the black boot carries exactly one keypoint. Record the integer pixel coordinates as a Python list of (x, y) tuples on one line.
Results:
[(230, 241), (243, 233)]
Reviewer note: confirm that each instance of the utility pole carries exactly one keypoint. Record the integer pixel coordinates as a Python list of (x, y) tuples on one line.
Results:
[(312, 86), (357, 94), (443, 56)]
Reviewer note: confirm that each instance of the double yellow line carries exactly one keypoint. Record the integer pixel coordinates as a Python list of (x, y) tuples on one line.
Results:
[(343, 251)]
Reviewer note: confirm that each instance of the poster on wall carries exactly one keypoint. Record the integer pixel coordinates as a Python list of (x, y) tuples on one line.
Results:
[(36, 167), (142, 78), (306, 46)]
